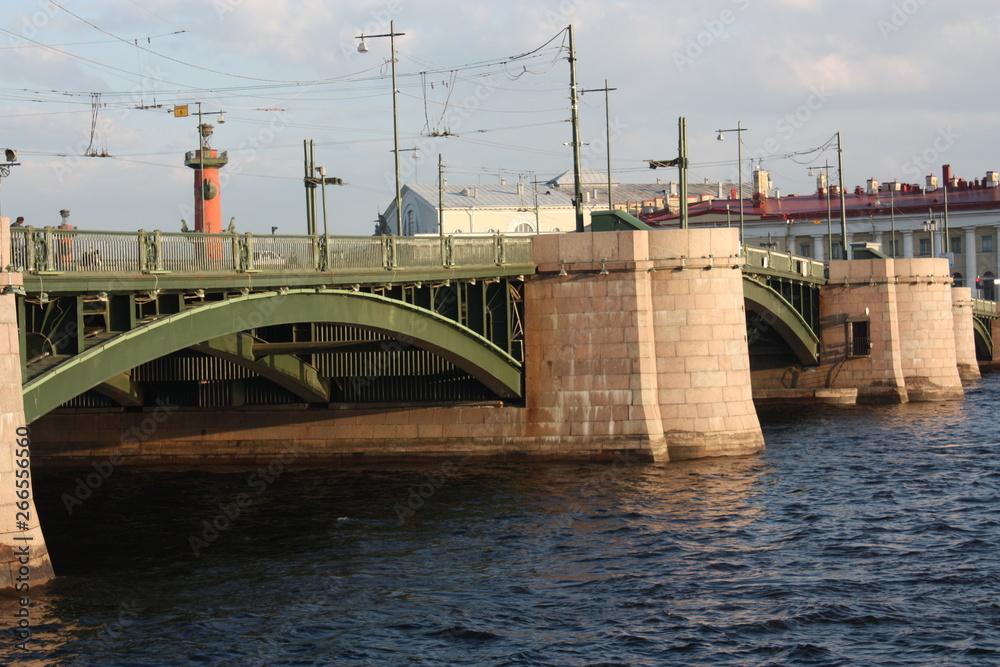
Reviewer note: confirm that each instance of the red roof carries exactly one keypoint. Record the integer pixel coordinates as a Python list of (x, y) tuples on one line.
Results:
[(814, 206)]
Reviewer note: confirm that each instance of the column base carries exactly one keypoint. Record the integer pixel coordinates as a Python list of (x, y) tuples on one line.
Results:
[(684, 446)]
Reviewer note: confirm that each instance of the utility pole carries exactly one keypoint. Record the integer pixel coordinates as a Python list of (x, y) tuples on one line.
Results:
[(440, 197), (683, 169), (575, 121), (843, 201), (681, 162), (607, 123)]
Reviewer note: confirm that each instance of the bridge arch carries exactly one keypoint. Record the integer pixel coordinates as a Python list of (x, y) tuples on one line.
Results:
[(778, 313), (983, 338), (466, 349)]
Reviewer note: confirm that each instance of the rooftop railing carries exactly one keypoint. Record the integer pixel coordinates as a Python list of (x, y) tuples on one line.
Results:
[(50, 251)]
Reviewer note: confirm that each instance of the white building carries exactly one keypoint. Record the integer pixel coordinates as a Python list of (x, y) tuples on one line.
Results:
[(511, 208)]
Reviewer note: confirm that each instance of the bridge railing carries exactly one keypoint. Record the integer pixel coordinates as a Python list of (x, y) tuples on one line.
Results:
[(55, 251), (985, 308), (762, 258)]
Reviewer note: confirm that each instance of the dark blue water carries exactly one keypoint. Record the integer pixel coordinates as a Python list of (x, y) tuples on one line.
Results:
[(862, 536)]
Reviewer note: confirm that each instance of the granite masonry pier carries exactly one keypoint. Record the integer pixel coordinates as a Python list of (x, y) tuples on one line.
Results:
[(24, 559)]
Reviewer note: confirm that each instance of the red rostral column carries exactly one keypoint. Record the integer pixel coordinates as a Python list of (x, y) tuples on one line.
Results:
[(206, 163)]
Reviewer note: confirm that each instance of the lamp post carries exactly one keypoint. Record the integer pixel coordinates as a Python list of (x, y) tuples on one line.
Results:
[(739, 154), (363, 48), (829, 212), (322, 175)]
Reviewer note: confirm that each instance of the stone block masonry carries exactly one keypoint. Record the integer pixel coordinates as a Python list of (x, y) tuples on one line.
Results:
[(24, 558)]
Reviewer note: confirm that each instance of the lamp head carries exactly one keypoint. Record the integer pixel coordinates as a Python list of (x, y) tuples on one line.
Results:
[(721, 136), (362, 47)]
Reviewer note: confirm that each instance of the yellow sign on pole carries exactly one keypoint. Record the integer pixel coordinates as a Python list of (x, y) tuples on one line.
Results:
[(180, 111)]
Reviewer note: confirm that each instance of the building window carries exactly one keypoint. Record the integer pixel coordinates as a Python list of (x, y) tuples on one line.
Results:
[(959, 280), (836, 252), (410, 223), (925, 247), (892, 247), (859, 341), (524, 228), (987, 242), (956, 245), (987, 288), (805, 249)]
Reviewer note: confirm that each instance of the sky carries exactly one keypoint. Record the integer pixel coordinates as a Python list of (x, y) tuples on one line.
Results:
[(908, 84)]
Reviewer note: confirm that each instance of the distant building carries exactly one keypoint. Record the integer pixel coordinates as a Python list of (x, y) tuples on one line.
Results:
[(892, 215), (525, 208)]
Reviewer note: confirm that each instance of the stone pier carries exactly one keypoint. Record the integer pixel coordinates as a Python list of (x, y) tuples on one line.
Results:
[(24, 558), (888, 328), (646, 325), (965, 337)]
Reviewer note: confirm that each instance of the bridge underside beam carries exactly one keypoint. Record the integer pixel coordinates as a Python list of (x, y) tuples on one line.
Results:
[(288, 371), (122, 389)]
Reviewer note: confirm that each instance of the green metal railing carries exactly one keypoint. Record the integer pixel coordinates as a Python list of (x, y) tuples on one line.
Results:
[(779, 262), (50, 251)]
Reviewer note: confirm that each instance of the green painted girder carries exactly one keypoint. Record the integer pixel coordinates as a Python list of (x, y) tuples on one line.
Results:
[(782, 316), (121, 389), (409, 324), (983, 336), (285, 370), (93, 283)]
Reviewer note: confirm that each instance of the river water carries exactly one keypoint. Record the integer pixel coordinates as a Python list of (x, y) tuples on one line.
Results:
[(862, 536)]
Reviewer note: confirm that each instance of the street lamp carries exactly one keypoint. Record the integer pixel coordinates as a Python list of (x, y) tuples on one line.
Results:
[(363, 48), (829, 212), (11, 156), (739, 154), (931, 226)]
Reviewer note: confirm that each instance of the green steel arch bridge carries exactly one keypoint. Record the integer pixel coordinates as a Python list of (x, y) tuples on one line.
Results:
[(124, 319)]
